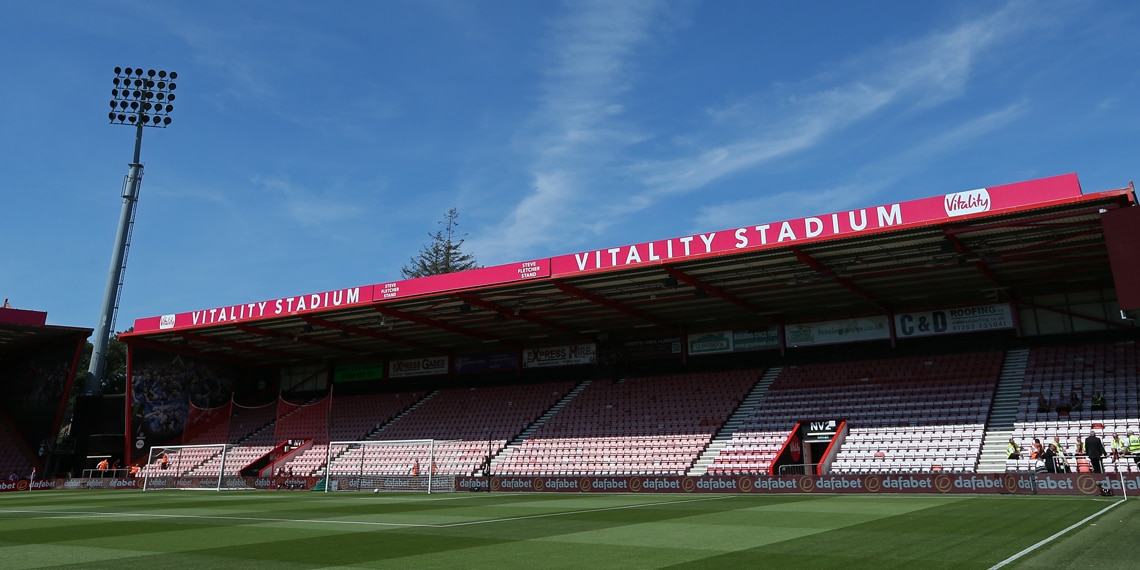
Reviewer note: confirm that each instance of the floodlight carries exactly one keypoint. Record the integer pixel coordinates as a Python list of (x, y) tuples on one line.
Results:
[(134, 89), (131, 104)]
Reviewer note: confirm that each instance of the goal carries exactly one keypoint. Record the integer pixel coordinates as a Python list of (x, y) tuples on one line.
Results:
[(186, 467), (403, 465)]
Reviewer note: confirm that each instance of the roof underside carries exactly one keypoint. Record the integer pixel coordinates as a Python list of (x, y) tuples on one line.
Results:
[(17, 340), (998, 258)]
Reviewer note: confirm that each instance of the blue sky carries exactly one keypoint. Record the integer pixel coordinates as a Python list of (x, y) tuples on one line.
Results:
[(315, 145)]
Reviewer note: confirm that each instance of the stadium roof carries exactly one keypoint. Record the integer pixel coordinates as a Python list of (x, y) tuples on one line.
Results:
[(997, 244), (22, 330)]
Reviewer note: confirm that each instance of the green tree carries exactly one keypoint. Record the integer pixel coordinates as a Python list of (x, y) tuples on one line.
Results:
[(115, 367), (443, 254)]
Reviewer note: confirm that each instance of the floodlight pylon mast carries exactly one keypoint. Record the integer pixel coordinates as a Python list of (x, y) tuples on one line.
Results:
[(140, 99)]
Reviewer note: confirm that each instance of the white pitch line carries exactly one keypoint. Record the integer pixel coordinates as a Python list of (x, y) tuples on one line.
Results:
[(1055, 536)]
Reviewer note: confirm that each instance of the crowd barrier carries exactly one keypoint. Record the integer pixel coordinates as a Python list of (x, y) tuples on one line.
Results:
[(290, 483), (943, 483)]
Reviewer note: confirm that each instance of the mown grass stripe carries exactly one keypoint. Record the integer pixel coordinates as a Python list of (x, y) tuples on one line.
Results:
[(1059, 534)]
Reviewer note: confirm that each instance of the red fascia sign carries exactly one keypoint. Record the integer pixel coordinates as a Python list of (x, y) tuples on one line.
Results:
[(317, 302), (283, 306), (481, 277), (812, 228), (889, 217)]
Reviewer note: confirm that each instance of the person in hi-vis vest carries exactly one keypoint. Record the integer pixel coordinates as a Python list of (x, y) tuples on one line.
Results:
[(1012, 450), (1134, 446)]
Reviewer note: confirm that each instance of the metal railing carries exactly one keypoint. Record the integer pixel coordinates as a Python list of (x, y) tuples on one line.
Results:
[(798, 469)]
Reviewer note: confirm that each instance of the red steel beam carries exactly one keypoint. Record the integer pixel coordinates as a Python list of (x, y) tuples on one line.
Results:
[(815, 264), (235, 344), (359, 331), (509, 312), (296, 338), (609, 303), (430, 322), (711, 289)]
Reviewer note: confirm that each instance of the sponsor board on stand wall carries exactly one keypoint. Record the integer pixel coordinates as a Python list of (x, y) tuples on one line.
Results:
[(488, 362), (718, 342), (934, 483), (647, 349), (358, 372), (834, 332), (952, 321), (565, 355), (426, 366)]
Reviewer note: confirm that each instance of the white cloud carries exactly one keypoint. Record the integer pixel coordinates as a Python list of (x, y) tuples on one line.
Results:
[(309, 209), (575, 130), (873, 179), (585, 142), (925, 72), (785, 205)]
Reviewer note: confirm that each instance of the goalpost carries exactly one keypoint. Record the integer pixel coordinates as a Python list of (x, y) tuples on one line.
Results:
[(398, 465), (199, 467)]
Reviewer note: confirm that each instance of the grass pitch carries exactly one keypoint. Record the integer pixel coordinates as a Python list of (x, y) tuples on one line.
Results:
[(285, 530)]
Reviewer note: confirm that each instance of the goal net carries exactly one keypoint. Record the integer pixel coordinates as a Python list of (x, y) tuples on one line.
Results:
[(188, 467), (405, 465)]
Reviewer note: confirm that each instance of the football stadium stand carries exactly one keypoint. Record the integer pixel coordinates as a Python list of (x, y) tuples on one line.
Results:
[(921, 335), (637, 425)]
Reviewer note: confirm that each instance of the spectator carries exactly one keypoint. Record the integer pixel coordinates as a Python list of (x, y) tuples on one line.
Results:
[(1076, 401), (1038, 450), (1134, 446), (12, 476), (1098, 403), (1012, 450), (1049, 458), (1063, 404), (1095, 450), (1119, 447), (1042, 404), (1059, 452)]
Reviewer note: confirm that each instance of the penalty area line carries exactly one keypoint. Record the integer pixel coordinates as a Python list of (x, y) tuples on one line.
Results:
[(1059, 534)]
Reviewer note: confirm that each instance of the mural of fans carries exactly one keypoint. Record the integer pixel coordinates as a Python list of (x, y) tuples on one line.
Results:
[(163, 387)]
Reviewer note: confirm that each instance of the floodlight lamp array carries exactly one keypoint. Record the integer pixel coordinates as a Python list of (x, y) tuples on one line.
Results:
[(142, 97)]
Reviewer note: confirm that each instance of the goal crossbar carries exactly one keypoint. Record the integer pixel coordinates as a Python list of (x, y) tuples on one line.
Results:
[(159, 458), (388, 465)]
